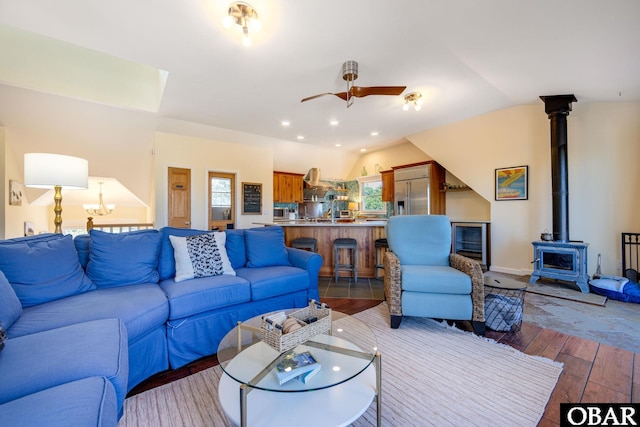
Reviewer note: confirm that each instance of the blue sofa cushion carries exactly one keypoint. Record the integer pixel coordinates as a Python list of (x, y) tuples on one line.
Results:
[(430, 247), (204, 294), (202, 255), (236, 249), (434, 279), (166, 262), (142, 308), (44, 269), (47, 359), (10, 307), (267, 282), (86, 402), (119, 259), (265, 247), (82, 243)]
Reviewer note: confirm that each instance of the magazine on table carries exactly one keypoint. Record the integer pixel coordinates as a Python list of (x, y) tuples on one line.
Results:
[(294, 365)]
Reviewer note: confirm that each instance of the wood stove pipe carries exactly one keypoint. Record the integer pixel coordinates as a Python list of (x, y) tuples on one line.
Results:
[(558, 108)]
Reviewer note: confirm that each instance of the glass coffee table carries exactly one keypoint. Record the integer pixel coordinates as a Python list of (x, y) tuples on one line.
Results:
[(343, 389)]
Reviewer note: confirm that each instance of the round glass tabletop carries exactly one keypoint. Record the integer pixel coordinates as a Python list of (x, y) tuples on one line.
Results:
[(342, 354)]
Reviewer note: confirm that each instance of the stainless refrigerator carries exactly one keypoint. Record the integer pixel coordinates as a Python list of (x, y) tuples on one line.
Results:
[(412, 191)]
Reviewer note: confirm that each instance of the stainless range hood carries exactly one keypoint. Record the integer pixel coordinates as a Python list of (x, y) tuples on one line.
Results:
[(315, 187)]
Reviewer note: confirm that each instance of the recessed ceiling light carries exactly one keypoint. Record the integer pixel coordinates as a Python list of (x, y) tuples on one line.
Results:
[(375, 133), (334, 122), (300, 137), (285, 123), (362, 150), (338, 145)]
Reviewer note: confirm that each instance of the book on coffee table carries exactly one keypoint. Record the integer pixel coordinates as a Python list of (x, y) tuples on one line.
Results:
[(306, 377), (294, 365)]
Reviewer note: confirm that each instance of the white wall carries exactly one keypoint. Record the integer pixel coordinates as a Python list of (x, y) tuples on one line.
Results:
[(604, 149), (119, 143), (397, 155), (14, 217), (249, 163)]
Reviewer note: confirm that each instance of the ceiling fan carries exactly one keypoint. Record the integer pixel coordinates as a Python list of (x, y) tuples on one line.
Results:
[(350, 73)]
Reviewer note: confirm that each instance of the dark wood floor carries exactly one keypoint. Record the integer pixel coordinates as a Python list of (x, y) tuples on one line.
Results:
[(593, 372)]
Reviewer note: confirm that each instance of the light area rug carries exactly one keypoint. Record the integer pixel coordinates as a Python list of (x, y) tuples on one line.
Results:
[(432, 375)]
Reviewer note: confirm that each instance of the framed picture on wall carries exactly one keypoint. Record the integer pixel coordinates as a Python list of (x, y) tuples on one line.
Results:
[(512, 183), (15, 193)]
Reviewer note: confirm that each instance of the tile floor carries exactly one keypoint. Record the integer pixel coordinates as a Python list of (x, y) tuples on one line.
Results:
[(346, 287)]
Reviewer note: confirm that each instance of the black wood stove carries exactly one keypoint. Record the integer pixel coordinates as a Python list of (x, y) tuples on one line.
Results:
[(560, 259)]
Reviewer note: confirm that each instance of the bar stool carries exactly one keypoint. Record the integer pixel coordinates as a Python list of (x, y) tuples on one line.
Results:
[(308, 243), (380, 244), (345, 243)]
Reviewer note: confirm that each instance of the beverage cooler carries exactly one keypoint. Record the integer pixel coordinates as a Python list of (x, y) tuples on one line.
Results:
[(472, 239)]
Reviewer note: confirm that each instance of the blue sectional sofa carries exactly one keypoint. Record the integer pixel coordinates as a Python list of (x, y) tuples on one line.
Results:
[(89, 318)]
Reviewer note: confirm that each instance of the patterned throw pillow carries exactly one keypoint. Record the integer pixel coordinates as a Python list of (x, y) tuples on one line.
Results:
[(3, 337), (201, 255)]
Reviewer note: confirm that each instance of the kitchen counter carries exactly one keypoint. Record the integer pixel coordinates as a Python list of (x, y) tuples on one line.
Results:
[(325, 232)]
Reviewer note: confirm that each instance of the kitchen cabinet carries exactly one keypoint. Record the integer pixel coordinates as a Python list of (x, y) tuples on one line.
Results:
[(287, 187), (387, 185)]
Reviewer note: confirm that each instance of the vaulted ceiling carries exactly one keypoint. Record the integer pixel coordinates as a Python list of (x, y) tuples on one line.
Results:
[(467, 57)]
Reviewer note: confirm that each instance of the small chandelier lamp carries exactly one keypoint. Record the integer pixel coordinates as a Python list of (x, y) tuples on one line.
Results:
[(415, 98), (244, 15), (100, 209)]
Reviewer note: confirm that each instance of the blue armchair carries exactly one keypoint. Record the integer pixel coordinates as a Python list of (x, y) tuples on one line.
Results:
[(423, 278)]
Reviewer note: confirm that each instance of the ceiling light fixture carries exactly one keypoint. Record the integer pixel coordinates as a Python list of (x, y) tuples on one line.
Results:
[(244, 15), (415, 98), (100, 209)]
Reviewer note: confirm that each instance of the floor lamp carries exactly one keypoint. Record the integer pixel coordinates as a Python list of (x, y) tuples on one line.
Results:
[(57, 171)]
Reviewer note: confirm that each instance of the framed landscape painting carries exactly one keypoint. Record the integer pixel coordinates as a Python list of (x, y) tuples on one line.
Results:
[(512, 183)]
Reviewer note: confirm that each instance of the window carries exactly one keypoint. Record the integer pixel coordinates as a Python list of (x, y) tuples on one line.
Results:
[(371, 195), (222, 196)]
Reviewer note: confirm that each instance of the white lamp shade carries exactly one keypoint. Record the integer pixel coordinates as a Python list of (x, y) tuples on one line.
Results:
[(45, 170)]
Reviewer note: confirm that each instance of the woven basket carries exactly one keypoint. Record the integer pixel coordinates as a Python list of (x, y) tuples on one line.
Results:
[(283, 342)]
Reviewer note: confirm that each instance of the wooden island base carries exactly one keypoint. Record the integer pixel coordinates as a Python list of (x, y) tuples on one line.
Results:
[(365, 233)]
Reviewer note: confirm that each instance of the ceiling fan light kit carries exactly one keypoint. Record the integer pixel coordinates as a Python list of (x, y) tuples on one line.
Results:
[(414, 98), (349, 74), (245, 16)]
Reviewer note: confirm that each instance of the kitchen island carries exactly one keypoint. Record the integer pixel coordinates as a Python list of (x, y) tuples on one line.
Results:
[(325, 232)]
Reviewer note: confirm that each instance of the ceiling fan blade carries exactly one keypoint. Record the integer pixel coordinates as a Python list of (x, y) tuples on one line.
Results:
[(360, 91), (342, 95)]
